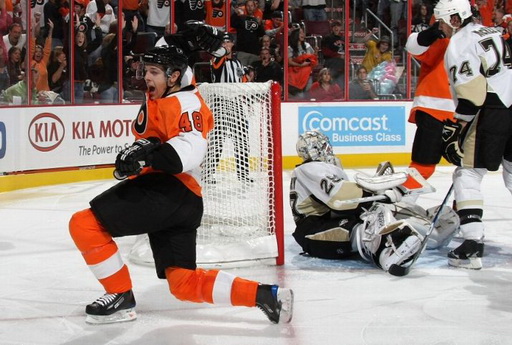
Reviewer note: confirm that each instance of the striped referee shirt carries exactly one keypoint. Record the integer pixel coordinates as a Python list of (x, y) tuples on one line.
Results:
[(227, 70)]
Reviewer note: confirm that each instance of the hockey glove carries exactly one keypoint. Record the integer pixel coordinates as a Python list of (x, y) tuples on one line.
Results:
[(207, 37), (393, 195), (132, 159), (429, 36), (452, 138)]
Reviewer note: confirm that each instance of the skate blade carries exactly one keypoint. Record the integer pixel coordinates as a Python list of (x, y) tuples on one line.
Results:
[(120, 316), (285, 296), (471, 264)]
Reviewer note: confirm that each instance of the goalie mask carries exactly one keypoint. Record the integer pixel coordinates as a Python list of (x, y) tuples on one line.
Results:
[(315, 146), (171, 58), (446, 8)]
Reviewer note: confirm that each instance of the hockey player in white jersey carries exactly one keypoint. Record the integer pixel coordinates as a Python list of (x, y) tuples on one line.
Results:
[(336, 218), (479, 66)]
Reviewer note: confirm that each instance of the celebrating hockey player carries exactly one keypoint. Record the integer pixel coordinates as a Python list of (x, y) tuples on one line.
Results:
[(336, 218), (479, 65), (160, 195)]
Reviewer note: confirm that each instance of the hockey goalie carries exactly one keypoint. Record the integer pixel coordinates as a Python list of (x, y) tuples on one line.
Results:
[(336, 218)]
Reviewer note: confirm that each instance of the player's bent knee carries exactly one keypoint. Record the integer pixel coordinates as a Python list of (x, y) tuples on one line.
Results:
[(86, 232), (179, 280)]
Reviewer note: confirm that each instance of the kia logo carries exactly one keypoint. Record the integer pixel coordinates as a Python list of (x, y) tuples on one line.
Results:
[(46, 132)]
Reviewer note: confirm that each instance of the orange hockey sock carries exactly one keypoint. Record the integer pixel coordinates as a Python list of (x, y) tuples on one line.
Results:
[(211, 286), (100, 252)]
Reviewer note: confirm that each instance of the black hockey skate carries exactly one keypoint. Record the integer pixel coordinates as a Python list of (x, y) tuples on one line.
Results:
[(275, 302), (467, 255), (112, 307)]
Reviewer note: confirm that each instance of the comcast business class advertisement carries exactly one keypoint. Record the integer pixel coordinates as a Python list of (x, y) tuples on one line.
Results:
[(356, 125)]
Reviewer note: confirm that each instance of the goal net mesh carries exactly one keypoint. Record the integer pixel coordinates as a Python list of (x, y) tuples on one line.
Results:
[(238, 177)]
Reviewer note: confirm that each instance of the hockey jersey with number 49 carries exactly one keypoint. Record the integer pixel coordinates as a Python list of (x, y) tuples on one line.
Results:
[(478, 61)]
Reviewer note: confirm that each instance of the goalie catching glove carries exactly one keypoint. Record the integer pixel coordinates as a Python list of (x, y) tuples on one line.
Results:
[(132, 159), (452, 139)]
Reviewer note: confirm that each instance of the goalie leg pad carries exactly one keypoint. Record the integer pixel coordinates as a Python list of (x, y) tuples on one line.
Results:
[(324, 238), (368, 237), (399, 247)]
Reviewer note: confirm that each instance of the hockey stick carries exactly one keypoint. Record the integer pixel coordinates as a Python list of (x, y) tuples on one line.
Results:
[(400, 271)]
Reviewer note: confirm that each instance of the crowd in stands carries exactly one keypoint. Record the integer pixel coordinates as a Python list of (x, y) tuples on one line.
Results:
[(316, 60)]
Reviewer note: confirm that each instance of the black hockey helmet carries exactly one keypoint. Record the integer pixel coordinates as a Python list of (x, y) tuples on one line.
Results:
[(171, 58)]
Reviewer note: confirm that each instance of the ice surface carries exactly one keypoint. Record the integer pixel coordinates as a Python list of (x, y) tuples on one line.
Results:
[(45, 285)]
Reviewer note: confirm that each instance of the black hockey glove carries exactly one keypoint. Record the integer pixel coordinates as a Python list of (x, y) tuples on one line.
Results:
[(206, 37), (429, 36), (452, 139), (132, 159)]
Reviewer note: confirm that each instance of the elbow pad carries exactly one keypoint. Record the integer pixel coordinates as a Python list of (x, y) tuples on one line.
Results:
[(166, 158)]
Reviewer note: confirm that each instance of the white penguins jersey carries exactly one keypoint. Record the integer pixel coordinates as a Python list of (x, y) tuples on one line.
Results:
[(478, 60), (314, 187)]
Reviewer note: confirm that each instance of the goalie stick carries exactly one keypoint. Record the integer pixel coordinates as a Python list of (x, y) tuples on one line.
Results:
[(399, 271)]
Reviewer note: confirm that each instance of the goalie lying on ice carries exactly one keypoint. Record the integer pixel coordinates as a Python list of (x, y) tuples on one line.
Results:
[(336, 218)]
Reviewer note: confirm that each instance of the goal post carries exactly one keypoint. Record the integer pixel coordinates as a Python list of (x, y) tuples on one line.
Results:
[(242, 176)]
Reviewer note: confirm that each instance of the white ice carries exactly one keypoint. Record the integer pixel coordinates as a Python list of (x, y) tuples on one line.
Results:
[(45, 286)]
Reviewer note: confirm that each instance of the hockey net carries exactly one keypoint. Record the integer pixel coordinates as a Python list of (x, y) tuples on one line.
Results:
[(242, 176)]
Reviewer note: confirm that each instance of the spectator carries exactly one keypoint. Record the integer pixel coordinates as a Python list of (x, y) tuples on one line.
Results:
[(271, 6), (421, 21), (361, 87), (274, 25), (376, 52), (107, 84), (58, 77), (396, 8), (82, 50), (267, 69), (134, 85), (323, 89), (4, 75), (105, 12), (333, 50), (20, 90), (249, 30), (52, 13), (15, 38), (158, 16), (498, 21), (508, 35), (130, 10), (273, 47), (314, 10), (14, 66), (216, 13), (5, 19), (302, 58), (188, 10), (41, 57)]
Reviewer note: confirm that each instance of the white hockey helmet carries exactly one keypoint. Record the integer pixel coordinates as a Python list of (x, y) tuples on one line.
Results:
[(446, 8), (315, 146)]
